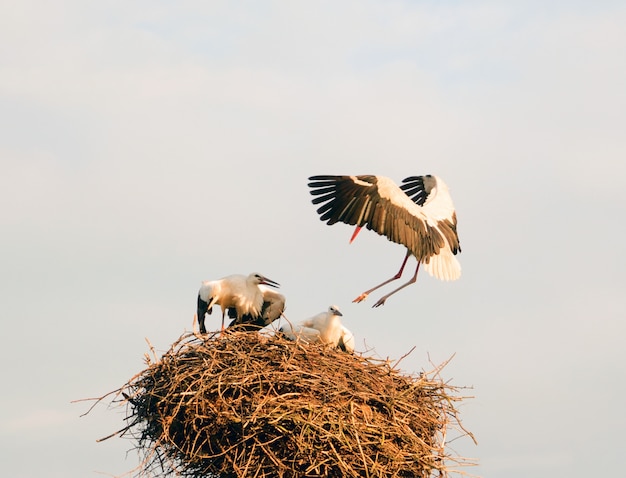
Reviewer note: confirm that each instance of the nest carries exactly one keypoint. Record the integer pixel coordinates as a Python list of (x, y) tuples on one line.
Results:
[(245, 404)]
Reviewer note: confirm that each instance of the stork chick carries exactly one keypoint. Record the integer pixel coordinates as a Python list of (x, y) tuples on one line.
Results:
[(325, 328)]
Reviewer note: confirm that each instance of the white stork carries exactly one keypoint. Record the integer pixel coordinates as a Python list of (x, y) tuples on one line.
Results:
[(325, 328), (242, 297), (328, 323), (419, 215)]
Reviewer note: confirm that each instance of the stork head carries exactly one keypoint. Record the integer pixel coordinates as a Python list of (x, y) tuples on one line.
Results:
[(334, 310), (258, 279)]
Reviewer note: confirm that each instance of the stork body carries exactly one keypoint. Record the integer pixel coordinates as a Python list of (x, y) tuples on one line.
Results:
[(325, 328), (419, 215), (328, 323), (272, 308), (346, 340), (301, 333), (239, 294)]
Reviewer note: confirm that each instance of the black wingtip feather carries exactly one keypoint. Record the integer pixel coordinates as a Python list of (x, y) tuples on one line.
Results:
[(322, 209), (317, 177), (321, 199), (323, 190)]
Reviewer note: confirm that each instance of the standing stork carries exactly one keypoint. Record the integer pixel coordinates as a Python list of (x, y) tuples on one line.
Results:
[(240, 295), (419, 214)]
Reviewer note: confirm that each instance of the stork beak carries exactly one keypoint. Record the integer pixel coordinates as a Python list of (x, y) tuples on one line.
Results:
[(269, 282), (355, 233), (337, 312)]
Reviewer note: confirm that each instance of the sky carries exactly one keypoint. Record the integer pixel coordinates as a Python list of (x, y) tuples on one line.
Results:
[(146, 146)]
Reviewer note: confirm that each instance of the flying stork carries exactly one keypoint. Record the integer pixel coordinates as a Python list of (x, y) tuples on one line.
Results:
[(241, 295), (419, 215), (325, 328)]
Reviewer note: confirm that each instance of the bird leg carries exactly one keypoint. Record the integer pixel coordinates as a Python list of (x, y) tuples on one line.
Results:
[(364, 295), (355, 233), (382, 300)]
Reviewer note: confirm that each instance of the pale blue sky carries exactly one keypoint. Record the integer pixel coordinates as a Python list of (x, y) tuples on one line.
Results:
[(146, 146)]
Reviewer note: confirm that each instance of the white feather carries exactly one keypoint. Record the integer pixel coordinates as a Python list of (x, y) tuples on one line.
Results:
[(301, 333), (444, 266)]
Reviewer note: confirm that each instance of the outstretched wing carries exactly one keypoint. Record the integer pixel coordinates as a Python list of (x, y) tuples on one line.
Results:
[(400, 214)]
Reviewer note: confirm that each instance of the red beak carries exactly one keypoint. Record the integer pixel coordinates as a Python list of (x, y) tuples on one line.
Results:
[(355, 233)]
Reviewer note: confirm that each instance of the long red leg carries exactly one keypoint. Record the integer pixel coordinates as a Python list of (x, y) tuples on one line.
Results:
[(364, 295), (355, 233), (382, 300)]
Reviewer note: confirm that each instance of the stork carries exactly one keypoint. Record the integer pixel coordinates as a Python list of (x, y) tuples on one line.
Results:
[(325, 328), (239, 294), (419, 215), (328, 323)]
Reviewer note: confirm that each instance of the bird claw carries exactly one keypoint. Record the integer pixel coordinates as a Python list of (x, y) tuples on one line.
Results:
[(361, 298), (380, 302)]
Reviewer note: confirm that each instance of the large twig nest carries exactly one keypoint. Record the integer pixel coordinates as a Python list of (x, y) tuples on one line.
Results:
[(244, 404)]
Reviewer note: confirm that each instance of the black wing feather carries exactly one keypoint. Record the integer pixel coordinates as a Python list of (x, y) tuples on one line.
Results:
[(343, 199), (416, 189)]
